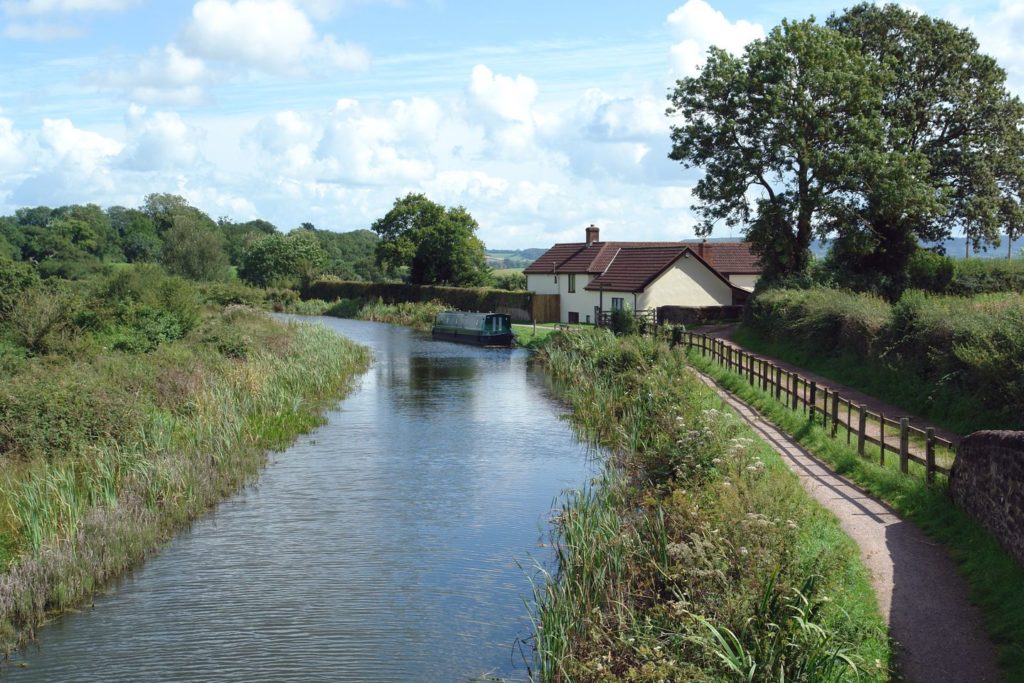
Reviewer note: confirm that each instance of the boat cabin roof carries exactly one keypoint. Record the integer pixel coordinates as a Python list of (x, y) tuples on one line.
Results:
[(463, 319)]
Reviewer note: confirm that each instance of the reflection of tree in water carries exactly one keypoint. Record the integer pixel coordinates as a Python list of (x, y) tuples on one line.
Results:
[(424, 371), (436, 381)]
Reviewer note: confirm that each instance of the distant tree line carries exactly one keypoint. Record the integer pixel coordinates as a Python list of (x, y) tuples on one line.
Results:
[(417, 241), (77, 240), (880, 129)]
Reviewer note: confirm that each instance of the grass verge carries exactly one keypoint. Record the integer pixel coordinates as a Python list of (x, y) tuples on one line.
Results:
[(696, 556), (86, 491), (993, 577)]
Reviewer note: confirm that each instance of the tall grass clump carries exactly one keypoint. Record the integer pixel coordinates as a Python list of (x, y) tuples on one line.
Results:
[(146, 410), (418, 315), (993, 576), (956, 360), (696, 556)]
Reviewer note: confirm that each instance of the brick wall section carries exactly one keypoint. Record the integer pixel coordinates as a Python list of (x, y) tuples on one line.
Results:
[(988, 483)]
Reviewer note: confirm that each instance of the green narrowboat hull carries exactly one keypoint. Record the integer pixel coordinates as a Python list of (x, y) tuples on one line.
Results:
[(462, 336)]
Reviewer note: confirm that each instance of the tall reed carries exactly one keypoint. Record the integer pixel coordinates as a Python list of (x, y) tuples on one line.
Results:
[(201, 425), (694, 529)]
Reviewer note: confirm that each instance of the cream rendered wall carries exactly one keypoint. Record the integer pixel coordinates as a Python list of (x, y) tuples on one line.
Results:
[(542, 284), (581, 301), (746, 282), (687, 283)]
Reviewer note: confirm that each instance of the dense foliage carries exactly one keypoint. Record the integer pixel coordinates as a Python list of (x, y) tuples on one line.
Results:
[(516, 304), (77, 241), (697, 556), (128, 407), (884, 127), (431, 244), (958, 360)]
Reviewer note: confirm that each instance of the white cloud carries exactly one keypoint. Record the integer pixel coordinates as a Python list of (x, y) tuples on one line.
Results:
[(85, 148), (12, 147), (510, 98), (41, 31), (999, 35), (48, 6), (697, 26), (161, 141), (270, 35), (166, 76), (352, 144)]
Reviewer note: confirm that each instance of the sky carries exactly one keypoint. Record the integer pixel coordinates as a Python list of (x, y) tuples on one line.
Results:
[(539, 117)]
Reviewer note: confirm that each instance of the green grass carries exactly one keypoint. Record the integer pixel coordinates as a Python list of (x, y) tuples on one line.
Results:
[(994, 579), (109, 451), (945, 406), (694, 529)]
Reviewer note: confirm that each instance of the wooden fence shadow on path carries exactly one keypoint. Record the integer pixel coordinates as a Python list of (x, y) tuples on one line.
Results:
[(940, 637), (840, 416)]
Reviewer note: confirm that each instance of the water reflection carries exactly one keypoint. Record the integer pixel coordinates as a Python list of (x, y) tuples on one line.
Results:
[(383, 547)]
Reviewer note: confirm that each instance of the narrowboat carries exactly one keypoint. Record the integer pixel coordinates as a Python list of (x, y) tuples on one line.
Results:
[(482, 329)]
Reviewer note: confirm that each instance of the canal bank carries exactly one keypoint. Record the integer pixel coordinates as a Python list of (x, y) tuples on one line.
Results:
[(697, 556), (394, 543)]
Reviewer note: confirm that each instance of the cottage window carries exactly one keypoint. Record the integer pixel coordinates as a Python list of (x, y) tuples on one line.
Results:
[(572, 283), (617, 303)]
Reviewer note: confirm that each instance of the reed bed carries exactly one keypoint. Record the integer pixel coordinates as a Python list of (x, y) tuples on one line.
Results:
[(87, 497), (696, 555)]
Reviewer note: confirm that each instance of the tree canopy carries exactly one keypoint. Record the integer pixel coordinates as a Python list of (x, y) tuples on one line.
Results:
[(432, 243), (883, 128), (283, 260)]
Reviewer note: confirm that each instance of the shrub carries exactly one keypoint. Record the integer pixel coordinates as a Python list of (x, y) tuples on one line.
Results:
[(930, 271), (516, 304), (15, 278)]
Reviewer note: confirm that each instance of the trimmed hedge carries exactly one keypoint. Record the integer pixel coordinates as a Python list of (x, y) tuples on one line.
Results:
[(516, 304), (958, 349)]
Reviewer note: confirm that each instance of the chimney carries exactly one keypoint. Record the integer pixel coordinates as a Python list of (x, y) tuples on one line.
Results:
[(592, 234), (700, 247)]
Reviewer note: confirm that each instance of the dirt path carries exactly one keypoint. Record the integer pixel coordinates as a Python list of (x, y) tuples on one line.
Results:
[(939, 634)]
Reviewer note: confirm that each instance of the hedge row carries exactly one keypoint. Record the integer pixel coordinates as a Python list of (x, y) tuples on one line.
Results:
[(954, 347), (460, 298)]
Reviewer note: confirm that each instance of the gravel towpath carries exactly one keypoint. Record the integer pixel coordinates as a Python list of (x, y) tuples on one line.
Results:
[(939, 634)]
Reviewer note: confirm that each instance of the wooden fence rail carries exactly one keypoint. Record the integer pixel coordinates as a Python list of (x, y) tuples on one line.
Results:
[(839, 415)]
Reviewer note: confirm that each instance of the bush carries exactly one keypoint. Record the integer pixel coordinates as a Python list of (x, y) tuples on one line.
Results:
[(516, 304), (982, 276), (15, 278), (930, 271), (957, 350)]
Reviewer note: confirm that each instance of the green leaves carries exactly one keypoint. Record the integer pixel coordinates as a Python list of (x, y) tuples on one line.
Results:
[(437, 245), (882, 127)]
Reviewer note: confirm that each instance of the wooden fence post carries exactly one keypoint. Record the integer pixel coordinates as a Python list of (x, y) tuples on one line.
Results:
[(750, 363), (835, 414), (881, 438), (793, 390), (849, 423), (904, 445), (862, 423), (778, 382), (929, 454), (813, 400)]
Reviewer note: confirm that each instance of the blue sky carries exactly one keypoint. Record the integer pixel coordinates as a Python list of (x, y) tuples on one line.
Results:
[(539, 117)]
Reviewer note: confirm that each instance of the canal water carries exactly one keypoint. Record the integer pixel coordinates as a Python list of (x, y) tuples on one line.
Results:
[(393, 544)]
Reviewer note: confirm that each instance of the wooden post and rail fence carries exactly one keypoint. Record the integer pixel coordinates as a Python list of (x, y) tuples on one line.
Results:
[(839, 415)]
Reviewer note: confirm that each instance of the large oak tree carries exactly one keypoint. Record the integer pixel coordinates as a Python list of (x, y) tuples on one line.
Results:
[(436, 245)]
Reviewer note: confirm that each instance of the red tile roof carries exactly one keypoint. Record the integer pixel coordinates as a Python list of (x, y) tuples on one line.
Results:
[(729, 257), (629, 263), (633, 268)]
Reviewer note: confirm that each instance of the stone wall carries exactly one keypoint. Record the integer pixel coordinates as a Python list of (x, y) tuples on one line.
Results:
[(988, 483)]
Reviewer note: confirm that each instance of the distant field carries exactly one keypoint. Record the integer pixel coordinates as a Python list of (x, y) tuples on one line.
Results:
[(506, 271)]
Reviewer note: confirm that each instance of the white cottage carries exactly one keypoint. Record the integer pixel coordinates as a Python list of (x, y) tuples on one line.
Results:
[(595, 276)]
